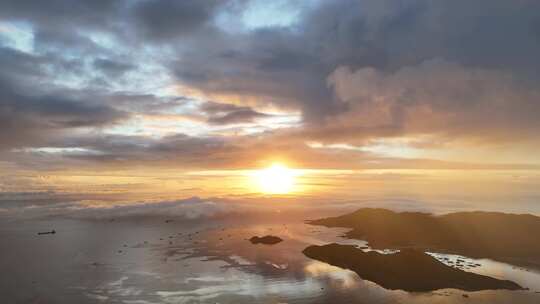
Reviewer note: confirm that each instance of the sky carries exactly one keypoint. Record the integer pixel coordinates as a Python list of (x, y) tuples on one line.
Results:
[(161, 96)]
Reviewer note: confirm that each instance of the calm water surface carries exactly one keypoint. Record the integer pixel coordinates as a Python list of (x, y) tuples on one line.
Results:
[(152, 261)]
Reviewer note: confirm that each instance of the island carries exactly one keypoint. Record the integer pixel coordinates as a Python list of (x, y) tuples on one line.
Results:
[(505, 237), (408, 270)]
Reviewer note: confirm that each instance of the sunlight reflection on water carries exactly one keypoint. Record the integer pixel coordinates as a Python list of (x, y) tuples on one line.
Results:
[(171, 263)]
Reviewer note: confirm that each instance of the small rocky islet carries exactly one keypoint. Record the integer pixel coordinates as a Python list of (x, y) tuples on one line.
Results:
[(267, 240)]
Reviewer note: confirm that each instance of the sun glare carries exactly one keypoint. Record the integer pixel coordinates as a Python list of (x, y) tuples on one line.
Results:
[(276, 179)]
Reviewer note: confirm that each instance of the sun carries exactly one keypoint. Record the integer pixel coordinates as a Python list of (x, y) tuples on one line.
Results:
[(276, 179)]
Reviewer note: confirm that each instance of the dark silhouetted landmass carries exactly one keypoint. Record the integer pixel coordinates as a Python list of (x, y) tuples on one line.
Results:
[(268, 240), (506, 237), (408, 270)]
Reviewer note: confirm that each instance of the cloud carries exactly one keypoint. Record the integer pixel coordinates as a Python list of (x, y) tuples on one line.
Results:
[(222, 114), (184, 209), (29, 112), (111, 67), (91, 14), (439, 97), (357, 70), (288, 67), (53, 205), (57, 206), (166, 19)]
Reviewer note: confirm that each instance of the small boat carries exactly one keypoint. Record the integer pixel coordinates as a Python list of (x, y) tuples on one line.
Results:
[(47, 232)]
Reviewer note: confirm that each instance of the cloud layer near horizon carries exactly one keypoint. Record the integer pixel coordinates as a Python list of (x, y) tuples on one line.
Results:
[(226, 84)]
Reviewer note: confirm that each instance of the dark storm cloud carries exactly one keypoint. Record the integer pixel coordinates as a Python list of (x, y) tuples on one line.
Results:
[(65, 14), (291, 66), (165, 19), (59, 40), (34, 105), (442, 98), (29, 113), (257, 64), (19, 65)]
